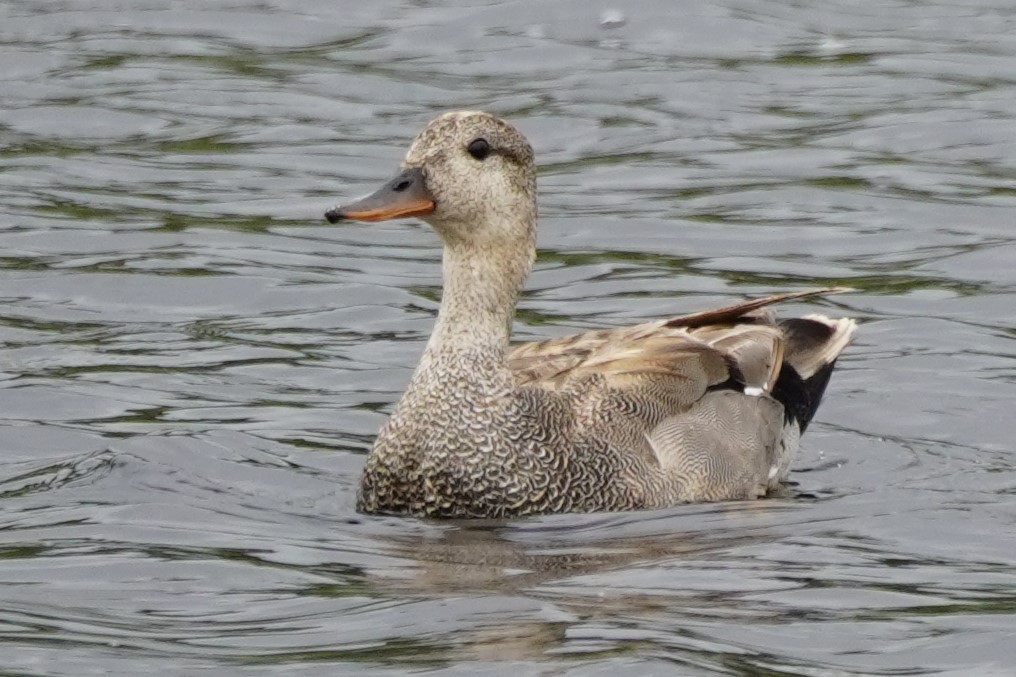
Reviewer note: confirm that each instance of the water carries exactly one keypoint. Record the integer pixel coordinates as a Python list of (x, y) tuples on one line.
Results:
[(193, 365)]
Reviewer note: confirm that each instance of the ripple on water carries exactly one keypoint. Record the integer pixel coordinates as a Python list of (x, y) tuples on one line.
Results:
[(192, 365)]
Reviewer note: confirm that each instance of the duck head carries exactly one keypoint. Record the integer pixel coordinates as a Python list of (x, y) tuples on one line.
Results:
[(469, 174)]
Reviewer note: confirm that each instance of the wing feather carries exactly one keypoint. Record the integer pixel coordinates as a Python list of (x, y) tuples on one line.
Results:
[(739, 341)]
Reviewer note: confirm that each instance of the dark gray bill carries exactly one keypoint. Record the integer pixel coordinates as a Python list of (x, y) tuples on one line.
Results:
[(404, 195)]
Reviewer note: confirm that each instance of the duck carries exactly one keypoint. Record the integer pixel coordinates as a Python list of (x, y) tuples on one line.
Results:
[(708, 406)]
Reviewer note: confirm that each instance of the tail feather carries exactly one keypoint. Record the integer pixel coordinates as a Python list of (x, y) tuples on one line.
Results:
[(814, 342)]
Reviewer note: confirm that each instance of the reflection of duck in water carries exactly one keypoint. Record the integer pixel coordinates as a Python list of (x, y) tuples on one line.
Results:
[(508, 556), (702, 407)]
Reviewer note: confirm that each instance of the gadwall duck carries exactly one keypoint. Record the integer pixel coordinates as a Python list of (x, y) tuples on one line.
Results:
[(702, 407)]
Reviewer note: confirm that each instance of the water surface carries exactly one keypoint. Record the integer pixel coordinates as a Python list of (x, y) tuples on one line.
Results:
[(193, 365)]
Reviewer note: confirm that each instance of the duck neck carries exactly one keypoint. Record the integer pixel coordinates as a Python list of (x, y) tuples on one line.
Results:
[(481, 288)]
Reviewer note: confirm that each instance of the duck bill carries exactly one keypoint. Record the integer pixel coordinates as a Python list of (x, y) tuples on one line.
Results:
[(404, 195)]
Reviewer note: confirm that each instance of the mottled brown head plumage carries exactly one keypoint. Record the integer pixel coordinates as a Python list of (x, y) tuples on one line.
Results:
[(480, 198)]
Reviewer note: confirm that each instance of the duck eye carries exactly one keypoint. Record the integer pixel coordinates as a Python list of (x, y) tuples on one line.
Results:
[(479, 149)]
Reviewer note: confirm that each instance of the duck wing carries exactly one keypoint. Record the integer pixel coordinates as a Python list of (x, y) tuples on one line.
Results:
[(716, 399), (742, 342)]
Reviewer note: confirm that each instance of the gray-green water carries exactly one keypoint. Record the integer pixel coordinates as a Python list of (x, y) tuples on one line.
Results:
[(192, 365)]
